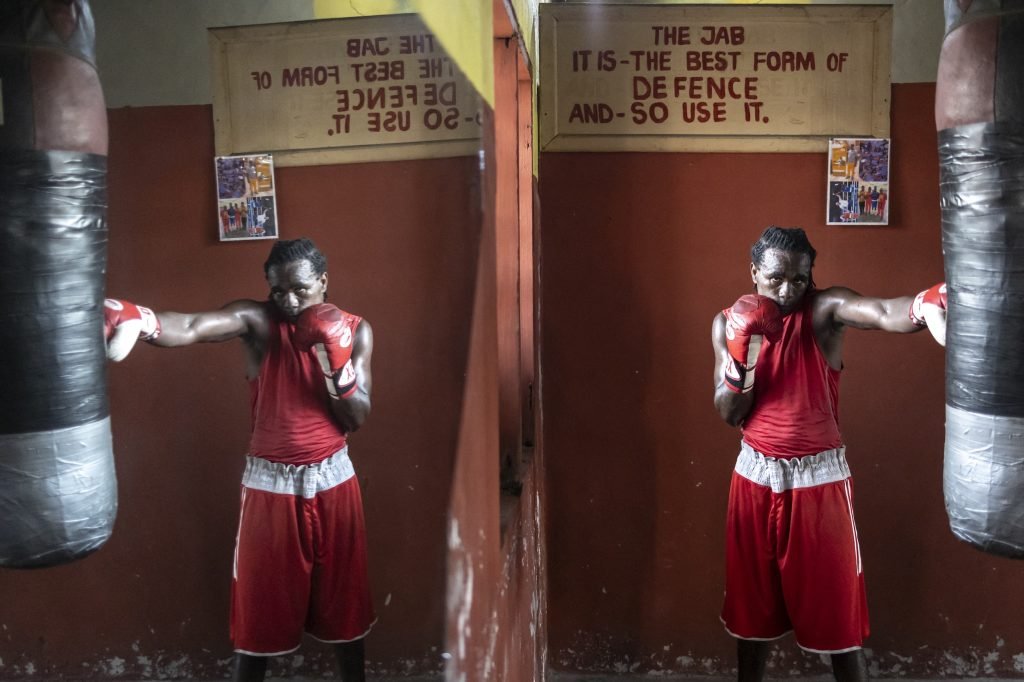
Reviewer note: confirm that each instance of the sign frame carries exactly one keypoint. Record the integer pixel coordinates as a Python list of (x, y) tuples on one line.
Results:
[(607, 15), (230, 126)]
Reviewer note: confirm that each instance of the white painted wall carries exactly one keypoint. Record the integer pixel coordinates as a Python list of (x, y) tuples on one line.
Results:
[(155, 52), (917, 30)]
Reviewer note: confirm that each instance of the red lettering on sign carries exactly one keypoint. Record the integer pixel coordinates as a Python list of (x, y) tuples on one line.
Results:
[(784, 61), (703, 112), (361, 47), (707, 60), (370, 72)]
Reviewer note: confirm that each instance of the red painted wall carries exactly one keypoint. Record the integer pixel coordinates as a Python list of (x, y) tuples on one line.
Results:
[(401, 240), (639, 253), (496, 552)]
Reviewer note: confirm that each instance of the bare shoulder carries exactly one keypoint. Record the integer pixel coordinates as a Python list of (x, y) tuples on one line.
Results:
[(247, 308), (835, 295), (827, 301), (255, 315), (838, 307)]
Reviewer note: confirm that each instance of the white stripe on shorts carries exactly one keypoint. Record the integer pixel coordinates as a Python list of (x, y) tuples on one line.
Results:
[(781, 474), (238, 536), (853, 524), (301, 480)]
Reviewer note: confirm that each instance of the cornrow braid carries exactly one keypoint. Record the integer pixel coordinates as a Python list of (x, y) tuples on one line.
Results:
[(291, 250), (791, 239)]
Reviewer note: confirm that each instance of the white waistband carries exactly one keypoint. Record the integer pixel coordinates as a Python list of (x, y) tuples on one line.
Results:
[(828, 466), (304, 480)]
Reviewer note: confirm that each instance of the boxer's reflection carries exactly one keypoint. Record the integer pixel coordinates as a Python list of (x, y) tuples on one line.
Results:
[(300, 554)]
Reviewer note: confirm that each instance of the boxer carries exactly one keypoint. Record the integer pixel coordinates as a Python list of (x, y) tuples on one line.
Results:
[(791, 495)]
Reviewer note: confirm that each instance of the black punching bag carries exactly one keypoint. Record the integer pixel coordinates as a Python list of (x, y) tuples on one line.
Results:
[(979, 114), (58, 492)]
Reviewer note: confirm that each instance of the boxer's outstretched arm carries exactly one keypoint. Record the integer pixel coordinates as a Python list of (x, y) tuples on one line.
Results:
[(125, 323), (846, 307), (235, 319)]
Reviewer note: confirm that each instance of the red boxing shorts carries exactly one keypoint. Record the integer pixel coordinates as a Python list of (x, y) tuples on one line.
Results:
[(792, 557), (300, 557)]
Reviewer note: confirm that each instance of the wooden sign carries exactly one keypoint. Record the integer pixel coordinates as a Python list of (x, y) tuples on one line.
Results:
[(723, 78), (340, 90)]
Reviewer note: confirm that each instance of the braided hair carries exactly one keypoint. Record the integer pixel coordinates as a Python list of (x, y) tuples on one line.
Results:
[(291, 250), (791, 239)]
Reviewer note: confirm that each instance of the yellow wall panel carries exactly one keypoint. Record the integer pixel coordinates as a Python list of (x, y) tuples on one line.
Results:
[(463, 27)]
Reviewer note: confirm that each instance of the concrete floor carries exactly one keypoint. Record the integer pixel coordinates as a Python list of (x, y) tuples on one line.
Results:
[(691, 678), (413, 678), (563, 677)]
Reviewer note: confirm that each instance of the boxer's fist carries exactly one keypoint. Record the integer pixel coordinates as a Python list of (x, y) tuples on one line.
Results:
[(750, 318), (325, 328), (929, 309), (124, 323), (324, 324)]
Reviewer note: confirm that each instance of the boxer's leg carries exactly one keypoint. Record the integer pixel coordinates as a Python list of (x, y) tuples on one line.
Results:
[(351, 661), (340, 605), (249, 668), (754, 607), (850, 667), (821, 577), (270, 590), (751, 657), (754, 610)]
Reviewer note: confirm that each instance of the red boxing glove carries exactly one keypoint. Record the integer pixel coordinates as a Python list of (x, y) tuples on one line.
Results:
[(935, 296), (750, 318), (327, 328), (929, 309), (124, 323)]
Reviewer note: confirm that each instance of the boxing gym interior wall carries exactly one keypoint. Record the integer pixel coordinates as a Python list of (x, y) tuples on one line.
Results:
[(402, 242), (640, 251)]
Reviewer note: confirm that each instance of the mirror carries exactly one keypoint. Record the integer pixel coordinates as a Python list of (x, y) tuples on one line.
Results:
[(401, 236)]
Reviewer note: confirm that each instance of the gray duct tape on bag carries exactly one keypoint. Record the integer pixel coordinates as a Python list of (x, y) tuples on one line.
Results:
[(983, 479), (58, 492), (982, 198)]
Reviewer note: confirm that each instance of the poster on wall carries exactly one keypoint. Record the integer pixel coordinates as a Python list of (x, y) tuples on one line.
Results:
[(858, 181), (246, 199)]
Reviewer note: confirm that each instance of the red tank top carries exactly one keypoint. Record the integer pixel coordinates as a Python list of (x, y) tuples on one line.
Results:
[(291, 417), (796, 394)]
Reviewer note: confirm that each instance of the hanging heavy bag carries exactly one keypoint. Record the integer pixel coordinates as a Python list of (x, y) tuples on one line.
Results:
[(58, 492), (979, 114)]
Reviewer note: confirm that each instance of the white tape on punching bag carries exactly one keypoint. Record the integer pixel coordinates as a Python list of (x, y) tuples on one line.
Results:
[(979, 111), (58, 492)]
